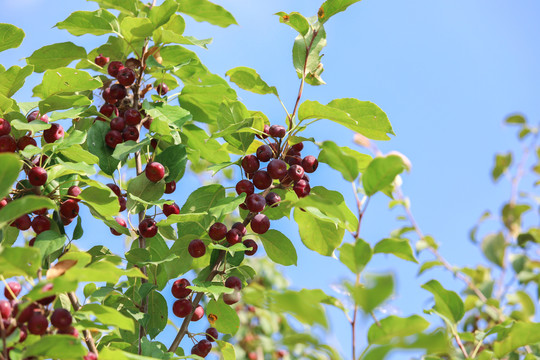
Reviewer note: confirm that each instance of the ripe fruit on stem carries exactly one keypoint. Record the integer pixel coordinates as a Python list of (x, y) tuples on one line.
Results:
[(148, 228), (260, 224), (264, 153), (23, 222), (196, 248), (113, 138), (170, 187), (233, 236), (118, 123), (115, 189), (272, 199), (38, 324), (211, 334), (114, 67), (5, 127), (179, 289), (162, 89), (55, 132), (170, 209), (182, 308), (262, 180), (240, 227), (74, 191), (69, 209), (133, 117), (277, 169), (217, 231), (198, 313), (277, 131), (108, 110), (233, 282), (232, 298), (120, 222), (250, 164), (34, 115), (7, 144), (130, 133), (118, 91), (249, 243), (101, 60), (15, 288), (37, 176), (202, 348), (255, 203), (302, 188), (5, 309), (296, 172), (245, 186), (24, 141), (310, 163), (126, 76), (61, 318), (40, 224), (155, 171)]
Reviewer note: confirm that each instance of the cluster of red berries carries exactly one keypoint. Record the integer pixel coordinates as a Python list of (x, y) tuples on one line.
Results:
[(34, 318), (9, 144)]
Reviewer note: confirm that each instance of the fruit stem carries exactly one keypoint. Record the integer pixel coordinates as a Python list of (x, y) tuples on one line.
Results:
[(87, 335)]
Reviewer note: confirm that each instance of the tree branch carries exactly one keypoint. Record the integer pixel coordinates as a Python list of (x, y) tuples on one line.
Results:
[(87, 335)]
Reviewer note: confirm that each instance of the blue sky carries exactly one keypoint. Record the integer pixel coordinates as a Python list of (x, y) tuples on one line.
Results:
[(445, 72)]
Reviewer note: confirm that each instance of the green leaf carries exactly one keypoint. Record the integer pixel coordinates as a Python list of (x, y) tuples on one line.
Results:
[(24, 205), (295, 20), (124, 6), (49, 242), (516, 119), (279, 248), (368, 298), (96, 145), (304, 305), (55, 56), (339, 160), (19, 261), (158, 314), (209, 149), (398, 247), (146, 189), (78, 232), (227, 350), (172, 114), (174, 158), (11, 166), (309, 63), (108, 316), (13, 79), (355, 256), (56, 347), (101, 271), (381, 172), (159, 15), (204, 10), (225, 206), (33, 126), (227, 319), (363, 117), (231, 114), (133, 28), (61, 102), (493, 247), (502, 163), (394, 326), (65, 80), (447, 302), (10, 36), (248, 79), (331, 7), (102, 199), (318, 233), (203, 102), (520, 334), (178, 218), (99, 22)]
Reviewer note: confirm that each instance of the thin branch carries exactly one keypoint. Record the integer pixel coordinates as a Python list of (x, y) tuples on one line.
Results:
[(87, 335), (460, 344)]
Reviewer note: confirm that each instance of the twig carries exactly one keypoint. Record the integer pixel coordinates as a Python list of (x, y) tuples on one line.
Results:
[(87, 335), (460, 344)]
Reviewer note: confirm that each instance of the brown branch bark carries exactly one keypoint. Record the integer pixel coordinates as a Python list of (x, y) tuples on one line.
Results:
[(88, 339)]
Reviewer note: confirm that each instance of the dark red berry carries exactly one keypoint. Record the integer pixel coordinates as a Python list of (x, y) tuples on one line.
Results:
[(196, 248), (233, 236), (27, 313), (109, 110), (118, 123), (249, 243), (101, 60), (170, 209), (113, 138), (277, 169), (240, 227), (126, 76), (61, 318), (118, 91), (293, 160), (296, 172), (205, 347), (217, 231), (7, 144), (182, 308), (130, 133), (262, 180), (298, 147), (266, 131), (114, 67), (255, 203), (250, 164), (310, 163), (109, 99), (38, 324), (154, 171), (162, 89), (69, 209), (198, 313), (120, 222), (302, 188), (90, 356), (74, 191), (231, 298), (23, 222), (15, 288), (211, 334), (5, 127), (147, 123), (260, 224), (272, 199), (123, 203), (40, 224), (37, 176), (115, 189), (35, 114), (233, 282), (179, 289), (24, 141), (264, 153), (245, 186), (69, 331), (55, 132), (277, 131), (148, 228), (133, 117), (23, 333), (170, 187), (5, 309)]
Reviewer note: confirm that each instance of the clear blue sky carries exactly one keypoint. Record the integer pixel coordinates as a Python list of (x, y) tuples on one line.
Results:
[(445, 72)]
